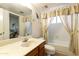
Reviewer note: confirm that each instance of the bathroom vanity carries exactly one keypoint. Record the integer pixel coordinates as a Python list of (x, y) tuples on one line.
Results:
[(33, 47)]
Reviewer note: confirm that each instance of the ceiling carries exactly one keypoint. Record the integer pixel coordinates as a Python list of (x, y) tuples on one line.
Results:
[(38, 7), (16, 8)]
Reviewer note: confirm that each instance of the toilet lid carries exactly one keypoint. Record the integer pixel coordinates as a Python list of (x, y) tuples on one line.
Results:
[(49, 47)]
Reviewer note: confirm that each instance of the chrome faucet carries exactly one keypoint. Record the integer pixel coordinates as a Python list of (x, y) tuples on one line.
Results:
[(25, 40)]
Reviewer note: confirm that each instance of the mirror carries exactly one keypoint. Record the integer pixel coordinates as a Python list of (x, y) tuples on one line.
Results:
[(13, 25)]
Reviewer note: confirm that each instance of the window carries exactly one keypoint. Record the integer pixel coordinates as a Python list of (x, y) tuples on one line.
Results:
[(57, 33), (55, 20)]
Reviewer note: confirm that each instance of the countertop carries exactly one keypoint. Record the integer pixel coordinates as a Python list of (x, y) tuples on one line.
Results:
[(16, 49)]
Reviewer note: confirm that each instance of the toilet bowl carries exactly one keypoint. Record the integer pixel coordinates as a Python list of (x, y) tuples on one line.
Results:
[(50, 50)]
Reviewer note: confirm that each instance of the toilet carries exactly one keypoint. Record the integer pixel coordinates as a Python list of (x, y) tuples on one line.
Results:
[(50, 50)]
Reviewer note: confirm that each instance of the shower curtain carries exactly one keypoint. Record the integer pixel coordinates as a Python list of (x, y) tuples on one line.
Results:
[(44, 26)]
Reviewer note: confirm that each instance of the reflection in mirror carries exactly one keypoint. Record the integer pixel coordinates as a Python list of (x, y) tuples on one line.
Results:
[(28, 28), (14, 25)]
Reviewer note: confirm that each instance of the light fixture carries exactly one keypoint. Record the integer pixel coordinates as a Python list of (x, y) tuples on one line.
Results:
[(46, 6), (21, 12)]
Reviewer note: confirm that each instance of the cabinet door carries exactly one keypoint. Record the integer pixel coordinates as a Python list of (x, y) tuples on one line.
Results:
[(41, 49), (41, 52)]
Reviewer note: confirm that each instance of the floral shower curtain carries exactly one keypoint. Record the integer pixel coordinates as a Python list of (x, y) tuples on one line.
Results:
[(44, 26)]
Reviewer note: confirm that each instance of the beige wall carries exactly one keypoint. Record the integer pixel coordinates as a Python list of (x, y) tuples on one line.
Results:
[(21, 26), (36, 28)]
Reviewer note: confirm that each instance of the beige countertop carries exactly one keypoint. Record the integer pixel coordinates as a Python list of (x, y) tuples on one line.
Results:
[(16, 49)]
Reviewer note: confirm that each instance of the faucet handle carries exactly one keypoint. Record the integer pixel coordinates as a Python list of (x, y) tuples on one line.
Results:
[(25, 40)]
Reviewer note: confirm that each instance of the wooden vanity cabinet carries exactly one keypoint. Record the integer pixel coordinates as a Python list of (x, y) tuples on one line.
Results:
[(41, 49), (38, 51)]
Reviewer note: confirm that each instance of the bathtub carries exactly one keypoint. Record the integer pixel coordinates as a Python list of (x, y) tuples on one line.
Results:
[(59, 42), (61, 47)]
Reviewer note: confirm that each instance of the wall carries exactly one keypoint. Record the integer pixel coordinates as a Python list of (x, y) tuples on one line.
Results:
[(36, 28), (21, 26)]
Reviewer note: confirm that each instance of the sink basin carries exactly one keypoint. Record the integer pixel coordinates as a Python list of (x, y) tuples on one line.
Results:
[(27, 44)]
